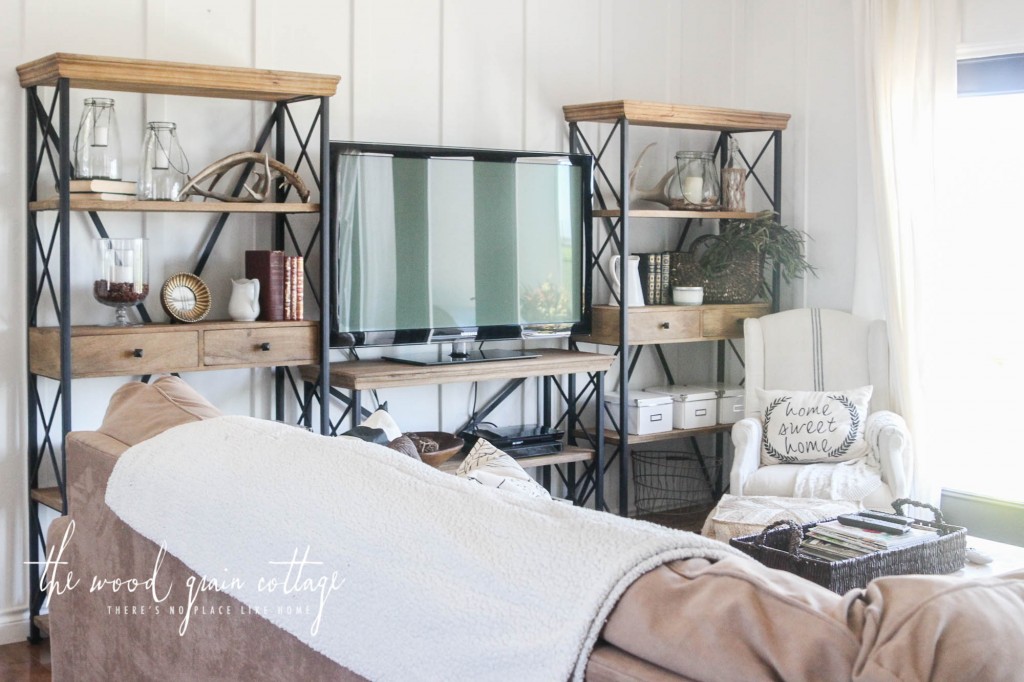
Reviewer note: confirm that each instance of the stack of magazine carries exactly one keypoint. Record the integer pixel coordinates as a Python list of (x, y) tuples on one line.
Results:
[(832, 541)]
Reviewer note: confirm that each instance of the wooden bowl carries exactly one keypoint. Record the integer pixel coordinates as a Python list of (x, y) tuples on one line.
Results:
[(447, 446)]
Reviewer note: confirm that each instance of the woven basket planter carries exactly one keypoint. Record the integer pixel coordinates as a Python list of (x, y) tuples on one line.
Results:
[(740, 281)]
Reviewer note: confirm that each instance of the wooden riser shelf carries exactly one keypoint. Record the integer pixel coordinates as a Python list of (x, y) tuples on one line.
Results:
[(612, 438), (667, 213), (175, 78), (42, 622), (676, 116), (85, 203), (569, 454), (49, 497)]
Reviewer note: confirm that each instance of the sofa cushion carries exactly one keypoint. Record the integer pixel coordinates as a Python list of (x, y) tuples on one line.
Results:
[(139, 411)]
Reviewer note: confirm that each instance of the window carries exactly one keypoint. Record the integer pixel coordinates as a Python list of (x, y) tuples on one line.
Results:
[(973, 289)]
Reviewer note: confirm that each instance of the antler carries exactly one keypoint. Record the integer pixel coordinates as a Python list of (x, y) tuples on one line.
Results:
[(272, 169), (658, 193)]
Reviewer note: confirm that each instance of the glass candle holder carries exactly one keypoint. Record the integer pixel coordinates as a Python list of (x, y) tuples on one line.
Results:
[(122, 275), (164, 167), (697, 182), (97, 149)]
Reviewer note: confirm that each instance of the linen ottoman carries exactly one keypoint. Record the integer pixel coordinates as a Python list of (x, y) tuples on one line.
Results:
[(736, 516)]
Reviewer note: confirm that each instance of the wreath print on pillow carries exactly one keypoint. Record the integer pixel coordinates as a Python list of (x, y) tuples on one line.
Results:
[(803, 427)]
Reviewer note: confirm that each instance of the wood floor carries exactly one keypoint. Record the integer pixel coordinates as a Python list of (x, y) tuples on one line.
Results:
[(24, 662)]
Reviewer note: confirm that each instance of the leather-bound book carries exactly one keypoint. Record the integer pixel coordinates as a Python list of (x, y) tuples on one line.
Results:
[(268, 268)]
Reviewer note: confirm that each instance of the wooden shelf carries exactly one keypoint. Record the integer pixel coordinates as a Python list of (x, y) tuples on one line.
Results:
[(85, 203), (358, 375), (611, 437), (667, 213), (676, 116), (175, 78), (49, 497), (42, 622), (570, 453)]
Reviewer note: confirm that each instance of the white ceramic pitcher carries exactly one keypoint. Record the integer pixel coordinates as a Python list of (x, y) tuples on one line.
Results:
[(244, 305), (635, 294)]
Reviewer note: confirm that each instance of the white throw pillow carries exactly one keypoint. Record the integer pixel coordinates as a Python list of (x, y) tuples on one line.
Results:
[(489, 466), (801, 427)]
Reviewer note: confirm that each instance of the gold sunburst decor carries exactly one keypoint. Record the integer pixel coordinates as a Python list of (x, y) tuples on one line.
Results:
[(185, 297)]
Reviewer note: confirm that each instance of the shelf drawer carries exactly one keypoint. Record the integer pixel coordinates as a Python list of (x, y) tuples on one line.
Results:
[(672, 324), (112, 354), (726, 322), (266, 346), (663, 324)]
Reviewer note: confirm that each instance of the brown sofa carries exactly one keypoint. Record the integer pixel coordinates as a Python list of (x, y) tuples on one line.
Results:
[(686, 620)]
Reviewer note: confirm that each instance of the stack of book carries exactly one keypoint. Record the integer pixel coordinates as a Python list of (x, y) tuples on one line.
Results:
[(833, 541), (656, 277), (281, 284), (104, 190)]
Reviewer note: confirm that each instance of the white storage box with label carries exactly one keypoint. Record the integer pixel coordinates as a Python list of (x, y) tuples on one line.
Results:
[(648, 412), (693, 407), (731, 403)]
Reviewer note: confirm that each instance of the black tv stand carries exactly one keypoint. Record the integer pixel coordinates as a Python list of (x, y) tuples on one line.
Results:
[(461, 355)]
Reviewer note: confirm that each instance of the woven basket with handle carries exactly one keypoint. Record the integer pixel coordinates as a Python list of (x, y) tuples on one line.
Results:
[(740, 281)]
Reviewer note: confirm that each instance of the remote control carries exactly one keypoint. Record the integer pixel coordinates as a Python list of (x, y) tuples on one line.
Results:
[(885, 516), (858, 521), (976, 556)]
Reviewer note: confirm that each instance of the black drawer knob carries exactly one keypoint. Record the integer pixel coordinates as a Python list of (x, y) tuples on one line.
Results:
[(137, 353), (665, 325), (265, 346)]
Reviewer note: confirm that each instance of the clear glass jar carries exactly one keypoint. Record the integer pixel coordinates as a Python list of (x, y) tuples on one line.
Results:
[(97, 149), (163, 169), (122, 275), (697, 181), (734, 181)]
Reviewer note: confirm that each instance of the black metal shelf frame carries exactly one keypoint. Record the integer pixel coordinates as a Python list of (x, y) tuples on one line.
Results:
[(617, 240), (48, 145)]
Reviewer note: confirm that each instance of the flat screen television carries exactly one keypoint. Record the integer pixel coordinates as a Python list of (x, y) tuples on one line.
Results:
[(457, 245)]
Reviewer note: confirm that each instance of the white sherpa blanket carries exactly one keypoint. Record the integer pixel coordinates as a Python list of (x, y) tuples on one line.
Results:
[(440, 578), (851, 480)]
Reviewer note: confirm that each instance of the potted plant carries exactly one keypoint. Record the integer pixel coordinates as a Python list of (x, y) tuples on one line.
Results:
[(731, 265)]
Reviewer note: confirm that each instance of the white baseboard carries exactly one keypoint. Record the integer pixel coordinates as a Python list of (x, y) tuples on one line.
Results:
[(14, 629)]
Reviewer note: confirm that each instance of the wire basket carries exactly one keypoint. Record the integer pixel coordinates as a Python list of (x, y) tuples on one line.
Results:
[(673, 483), (741, 281)]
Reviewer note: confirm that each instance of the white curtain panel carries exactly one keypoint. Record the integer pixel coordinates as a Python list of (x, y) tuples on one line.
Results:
[(907, 85)]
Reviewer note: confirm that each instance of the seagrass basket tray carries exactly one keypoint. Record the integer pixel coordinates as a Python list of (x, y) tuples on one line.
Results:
[(777, 547), (739, 281)]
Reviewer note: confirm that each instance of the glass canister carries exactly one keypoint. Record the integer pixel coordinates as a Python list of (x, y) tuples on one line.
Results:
[(163, 168), (97, 149), (122, 275), (734, 181), (697, 179)]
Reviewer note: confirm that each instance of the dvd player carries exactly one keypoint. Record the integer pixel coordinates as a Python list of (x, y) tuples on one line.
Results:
[(515, 438)]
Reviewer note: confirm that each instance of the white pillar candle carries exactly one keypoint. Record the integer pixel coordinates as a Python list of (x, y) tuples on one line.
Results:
[(160, 160), (693, 189), (124, 270), (100, 137), (140, 279)]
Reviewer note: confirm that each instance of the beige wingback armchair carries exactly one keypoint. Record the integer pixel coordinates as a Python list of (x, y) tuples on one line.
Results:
[(818, 350)]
